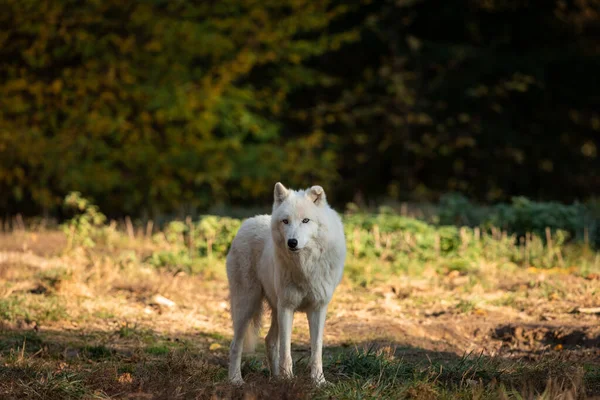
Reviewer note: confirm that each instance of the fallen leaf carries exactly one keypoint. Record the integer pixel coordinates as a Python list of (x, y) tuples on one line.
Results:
[(125, 378)]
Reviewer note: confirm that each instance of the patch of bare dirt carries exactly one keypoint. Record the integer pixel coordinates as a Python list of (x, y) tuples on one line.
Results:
[(532, 340), (492, 331)]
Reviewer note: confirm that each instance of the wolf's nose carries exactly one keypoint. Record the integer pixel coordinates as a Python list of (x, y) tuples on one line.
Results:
[(292, 243)]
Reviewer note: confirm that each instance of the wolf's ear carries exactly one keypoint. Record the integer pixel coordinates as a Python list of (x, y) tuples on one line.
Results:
[(317, 195), (280, 193)]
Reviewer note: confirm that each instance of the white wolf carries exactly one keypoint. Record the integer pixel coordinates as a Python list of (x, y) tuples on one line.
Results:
[(293, 259)]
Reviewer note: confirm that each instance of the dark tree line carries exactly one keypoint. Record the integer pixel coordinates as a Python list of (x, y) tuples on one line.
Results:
[(150, 107)]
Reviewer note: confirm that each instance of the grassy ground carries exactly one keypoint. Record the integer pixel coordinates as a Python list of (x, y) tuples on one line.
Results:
[(86, 323)]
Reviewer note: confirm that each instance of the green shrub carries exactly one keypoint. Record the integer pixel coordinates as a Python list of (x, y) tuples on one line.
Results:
[(378, 243), (86, 223), (522, 216), (213, 235), (456, 209)]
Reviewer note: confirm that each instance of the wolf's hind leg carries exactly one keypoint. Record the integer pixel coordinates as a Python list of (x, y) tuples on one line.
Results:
[(246, 305)]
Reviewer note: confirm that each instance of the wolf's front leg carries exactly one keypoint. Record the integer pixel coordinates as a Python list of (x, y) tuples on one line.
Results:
[(272, 344), (285, 317), (316, 324)]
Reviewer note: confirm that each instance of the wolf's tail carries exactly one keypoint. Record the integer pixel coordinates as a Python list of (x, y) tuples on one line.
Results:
[(251, 336)]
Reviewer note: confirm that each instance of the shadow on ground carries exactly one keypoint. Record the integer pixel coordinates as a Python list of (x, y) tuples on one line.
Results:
[(133, 363)]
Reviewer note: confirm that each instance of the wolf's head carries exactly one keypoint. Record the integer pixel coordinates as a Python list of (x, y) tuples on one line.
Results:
[(297, 216)]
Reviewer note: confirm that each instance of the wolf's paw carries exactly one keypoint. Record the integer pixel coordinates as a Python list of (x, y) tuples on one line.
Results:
[(286, 375), (237, 381), (320, 381), (285, 370), (318, 378)]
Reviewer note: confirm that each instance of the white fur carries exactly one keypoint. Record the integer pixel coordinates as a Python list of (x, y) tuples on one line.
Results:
[(261, 266)]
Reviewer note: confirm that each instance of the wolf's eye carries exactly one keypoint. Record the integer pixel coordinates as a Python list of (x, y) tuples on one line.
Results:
[(305, 220), (285, 221)]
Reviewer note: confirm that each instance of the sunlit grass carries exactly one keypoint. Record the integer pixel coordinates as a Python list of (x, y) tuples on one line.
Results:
[(84, 322)]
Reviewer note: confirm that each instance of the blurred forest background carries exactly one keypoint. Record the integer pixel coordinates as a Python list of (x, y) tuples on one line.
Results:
[(160, 106)]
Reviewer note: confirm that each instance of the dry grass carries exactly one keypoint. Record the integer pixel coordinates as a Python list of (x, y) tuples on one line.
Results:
[(86, 324)]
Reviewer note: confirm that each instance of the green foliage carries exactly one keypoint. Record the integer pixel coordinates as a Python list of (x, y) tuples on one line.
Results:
[(193, 245), (158, 350), (214, 234), (396, 242), (393, 240), (40, 310), (153, 107), (82, 228), (150, 106), (456, 209), (521, 216), (524, 215), (175, 260)]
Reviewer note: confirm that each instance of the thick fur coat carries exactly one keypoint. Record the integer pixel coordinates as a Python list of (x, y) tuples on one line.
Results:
[(293, 259)]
